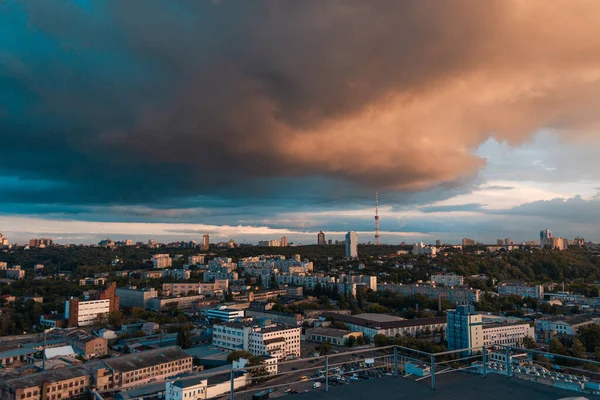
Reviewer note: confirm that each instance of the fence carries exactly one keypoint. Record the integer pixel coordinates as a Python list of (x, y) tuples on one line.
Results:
[(323, 372)]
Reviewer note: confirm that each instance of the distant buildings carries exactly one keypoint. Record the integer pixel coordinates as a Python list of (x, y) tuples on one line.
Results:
[(284, 241), (420, 248), (382, 324), (43, 242), (205, 242), (351, 245), (3, 241), (520, 289), (196, 259), (447, 279), (269, 243), (161, 261), (321, 238), (468, 242), (547, 240)]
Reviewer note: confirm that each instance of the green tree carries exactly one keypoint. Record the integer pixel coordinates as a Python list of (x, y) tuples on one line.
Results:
[(578, 349), (115, 318), (529, 343), (556, 347), (236, 355), (380, 340), (360, 341), (351, 341), (184, 337), (325, 348)]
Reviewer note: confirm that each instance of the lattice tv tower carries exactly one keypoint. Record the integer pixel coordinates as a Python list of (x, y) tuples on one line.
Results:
[(377, 240)]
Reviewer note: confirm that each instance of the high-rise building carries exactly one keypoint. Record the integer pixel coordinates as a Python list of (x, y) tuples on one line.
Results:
[(351, 245), (321, 238), (468, 242), (205, 242), (545, 234), (284, 241), (438, 243), (465, 328)]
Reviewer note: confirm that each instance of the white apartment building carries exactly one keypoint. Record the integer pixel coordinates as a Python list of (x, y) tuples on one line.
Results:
[(367, 280), (351, 245), (162, 261), (224, 314), (87, 311), (273, 340), (519, 289), (269, 243), (447, 279), (420, 248), (309, 281)]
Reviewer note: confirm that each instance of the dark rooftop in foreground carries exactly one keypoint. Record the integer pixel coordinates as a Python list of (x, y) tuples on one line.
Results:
[(451, 386), (143, 359)]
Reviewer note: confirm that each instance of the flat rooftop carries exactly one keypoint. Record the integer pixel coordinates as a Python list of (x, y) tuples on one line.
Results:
[(452, 386), (378, 317)]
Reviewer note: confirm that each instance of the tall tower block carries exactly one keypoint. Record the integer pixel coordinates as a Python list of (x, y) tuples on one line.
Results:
[(377, 240)]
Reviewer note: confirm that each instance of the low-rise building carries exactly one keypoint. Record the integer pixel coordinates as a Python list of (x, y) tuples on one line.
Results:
[(134, 297), (382, 324), (547, 328), (260, 339), (337, 337), (86, 345), (224, 314), (180, 302), (13, 273), (179, 274)]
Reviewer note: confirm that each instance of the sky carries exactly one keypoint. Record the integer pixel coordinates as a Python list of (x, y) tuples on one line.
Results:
[(253, 120)]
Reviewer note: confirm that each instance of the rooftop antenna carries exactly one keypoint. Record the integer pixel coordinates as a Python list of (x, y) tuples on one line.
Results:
[(377, 241)]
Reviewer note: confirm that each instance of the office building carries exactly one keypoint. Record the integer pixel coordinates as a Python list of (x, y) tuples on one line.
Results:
[(351, 245), (382, 324), (545, 234), (467, 330), (224, 314), (82, 313), (447, 279), (321, 238), (161, 261), (134, 297), (464, 329), (261, 338)]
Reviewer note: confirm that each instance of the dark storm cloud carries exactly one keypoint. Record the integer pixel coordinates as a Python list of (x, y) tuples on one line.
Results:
[(228, 104)]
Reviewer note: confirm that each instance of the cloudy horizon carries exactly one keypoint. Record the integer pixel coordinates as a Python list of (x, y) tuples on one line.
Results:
[(254, 120)]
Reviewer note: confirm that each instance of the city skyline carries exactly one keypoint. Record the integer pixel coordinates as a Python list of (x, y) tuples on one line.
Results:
[(483, 125)]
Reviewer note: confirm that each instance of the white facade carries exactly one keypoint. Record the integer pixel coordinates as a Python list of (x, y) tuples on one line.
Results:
[(420, 248), (88, 311), (447, 280), (161, 261), (309, 281), (535, 292), (224, 314), (351, 244), (274, 340), (507, 334)]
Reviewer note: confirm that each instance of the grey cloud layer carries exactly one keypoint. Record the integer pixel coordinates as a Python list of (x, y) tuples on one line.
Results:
[(145, 102)]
